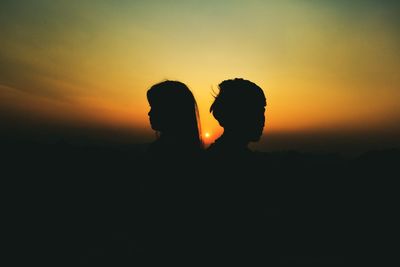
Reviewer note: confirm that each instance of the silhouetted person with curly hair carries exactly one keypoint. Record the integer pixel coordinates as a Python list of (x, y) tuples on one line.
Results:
[(239, 108), (236, 201)]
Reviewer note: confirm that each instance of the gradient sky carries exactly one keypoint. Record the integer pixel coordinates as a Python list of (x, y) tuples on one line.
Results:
[(325, 66)]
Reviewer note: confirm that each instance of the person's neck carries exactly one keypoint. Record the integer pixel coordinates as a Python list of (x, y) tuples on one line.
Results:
[(168, 138), (234, 140)]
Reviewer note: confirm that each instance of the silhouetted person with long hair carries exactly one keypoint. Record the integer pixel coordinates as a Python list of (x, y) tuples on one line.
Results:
[(239, 108), (168, 193), (174, 116)]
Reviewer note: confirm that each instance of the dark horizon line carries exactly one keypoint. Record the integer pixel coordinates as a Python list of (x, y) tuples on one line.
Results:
[(324, 144)]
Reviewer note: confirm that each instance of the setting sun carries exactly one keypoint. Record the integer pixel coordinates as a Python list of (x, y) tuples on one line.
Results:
[(219, 130), (88, 64)]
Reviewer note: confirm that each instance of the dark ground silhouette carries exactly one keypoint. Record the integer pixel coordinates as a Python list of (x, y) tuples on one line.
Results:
[(107, 205)]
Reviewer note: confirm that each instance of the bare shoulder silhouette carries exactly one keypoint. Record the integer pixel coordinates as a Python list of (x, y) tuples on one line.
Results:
[(239, 108)]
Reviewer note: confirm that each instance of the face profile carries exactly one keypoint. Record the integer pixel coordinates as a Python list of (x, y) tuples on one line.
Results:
[(249, 123), (174, 116), (156, 117), (239, 108)]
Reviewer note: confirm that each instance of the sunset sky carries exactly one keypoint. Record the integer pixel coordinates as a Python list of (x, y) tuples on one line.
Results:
[(326, 67)]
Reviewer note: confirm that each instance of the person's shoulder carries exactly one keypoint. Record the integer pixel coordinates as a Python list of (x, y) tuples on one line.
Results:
[(135, 150), (218, 147)]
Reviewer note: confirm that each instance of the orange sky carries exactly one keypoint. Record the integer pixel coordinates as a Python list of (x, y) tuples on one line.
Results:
[(323, 66)]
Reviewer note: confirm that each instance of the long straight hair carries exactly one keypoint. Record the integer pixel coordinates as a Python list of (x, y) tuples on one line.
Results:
[(181, 113)]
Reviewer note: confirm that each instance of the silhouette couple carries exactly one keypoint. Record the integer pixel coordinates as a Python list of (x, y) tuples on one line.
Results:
[(238, 107), (193, 212)]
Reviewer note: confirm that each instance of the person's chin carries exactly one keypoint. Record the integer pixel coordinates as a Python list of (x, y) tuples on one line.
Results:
[(154, 127), (256, 137)]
